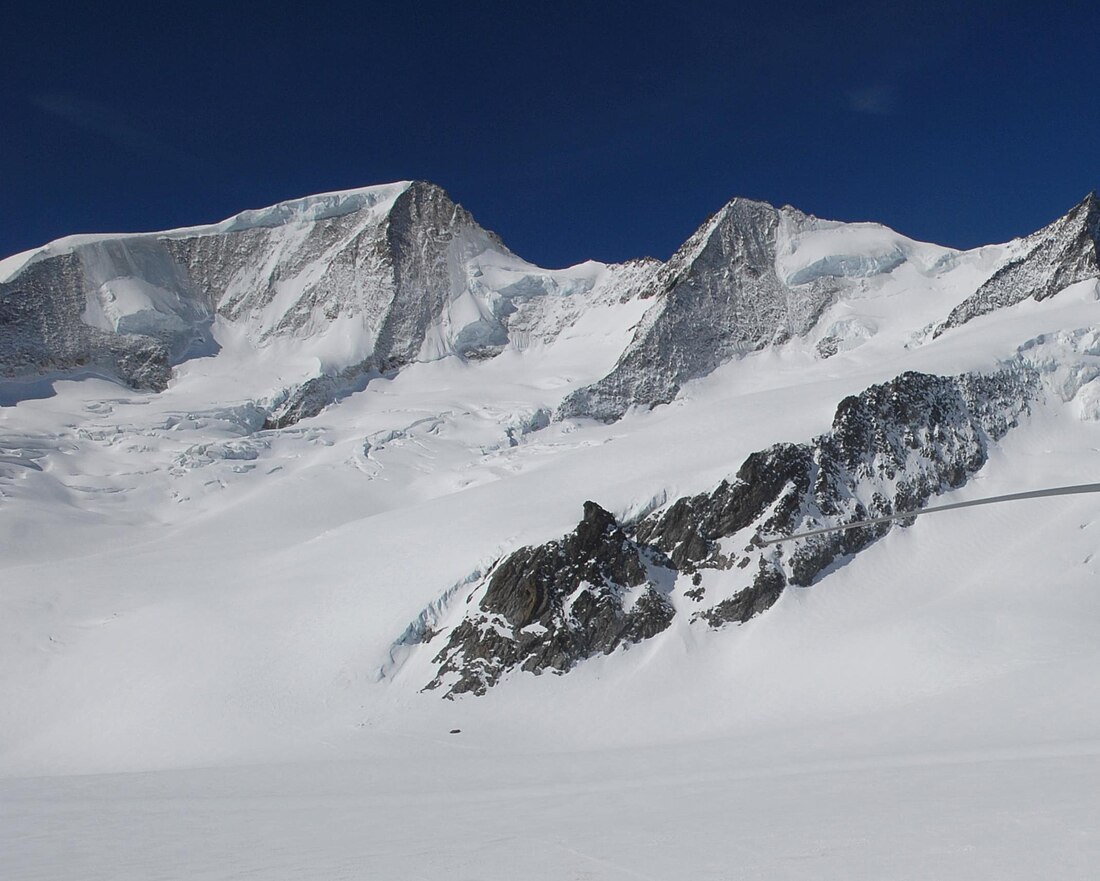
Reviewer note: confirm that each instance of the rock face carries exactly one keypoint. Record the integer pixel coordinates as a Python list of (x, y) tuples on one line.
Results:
[(891, 449), (1063, 253), (719, 296), (550, 606)]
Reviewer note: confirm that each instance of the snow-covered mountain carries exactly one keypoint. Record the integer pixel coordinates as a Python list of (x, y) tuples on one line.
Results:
[(361, 282), (332, 479)]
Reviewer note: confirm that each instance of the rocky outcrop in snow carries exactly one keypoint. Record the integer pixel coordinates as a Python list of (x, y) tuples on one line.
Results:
[(1048, 261), (891, 449), (548, 607)]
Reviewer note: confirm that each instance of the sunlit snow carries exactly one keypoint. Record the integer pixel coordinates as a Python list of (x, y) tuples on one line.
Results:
[(206, 662)]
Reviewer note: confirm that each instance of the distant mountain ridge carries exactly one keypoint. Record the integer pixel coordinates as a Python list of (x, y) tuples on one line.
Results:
[(369, 281)]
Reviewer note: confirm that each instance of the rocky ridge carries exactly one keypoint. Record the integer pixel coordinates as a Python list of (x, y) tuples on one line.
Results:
[(1048, 261), (550, 606), (610, 584)]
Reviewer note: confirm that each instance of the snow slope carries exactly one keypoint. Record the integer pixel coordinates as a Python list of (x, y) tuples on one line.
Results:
[(205, 668)]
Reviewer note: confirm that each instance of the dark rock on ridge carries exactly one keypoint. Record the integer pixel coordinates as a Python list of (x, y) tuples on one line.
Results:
[(891, 448)]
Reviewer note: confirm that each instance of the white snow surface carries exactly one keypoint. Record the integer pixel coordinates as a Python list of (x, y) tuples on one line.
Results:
[(200, 669), (811, 248)]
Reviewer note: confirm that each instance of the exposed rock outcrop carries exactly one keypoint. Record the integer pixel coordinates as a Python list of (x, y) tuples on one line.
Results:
[(550, 606), (890, 449)]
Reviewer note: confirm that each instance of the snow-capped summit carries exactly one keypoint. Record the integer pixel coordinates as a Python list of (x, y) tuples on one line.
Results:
[(362, 281)]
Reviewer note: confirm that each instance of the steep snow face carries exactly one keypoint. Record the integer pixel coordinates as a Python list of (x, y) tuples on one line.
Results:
[(132, 286), (808, 248), (376, 199), (369, 200)]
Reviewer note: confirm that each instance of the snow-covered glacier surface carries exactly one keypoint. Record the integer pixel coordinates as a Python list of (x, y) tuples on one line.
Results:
[(215, 633)]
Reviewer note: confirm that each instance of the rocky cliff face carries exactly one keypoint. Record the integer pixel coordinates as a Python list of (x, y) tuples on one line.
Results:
[(1063, 253), (721, 295), (890, 450)]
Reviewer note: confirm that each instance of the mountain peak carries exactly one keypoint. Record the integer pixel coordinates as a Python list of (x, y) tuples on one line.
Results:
[(1048, 261), (1090, 208)]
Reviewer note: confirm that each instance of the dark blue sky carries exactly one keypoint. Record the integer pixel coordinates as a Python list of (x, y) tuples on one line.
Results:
[(575, 130)]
